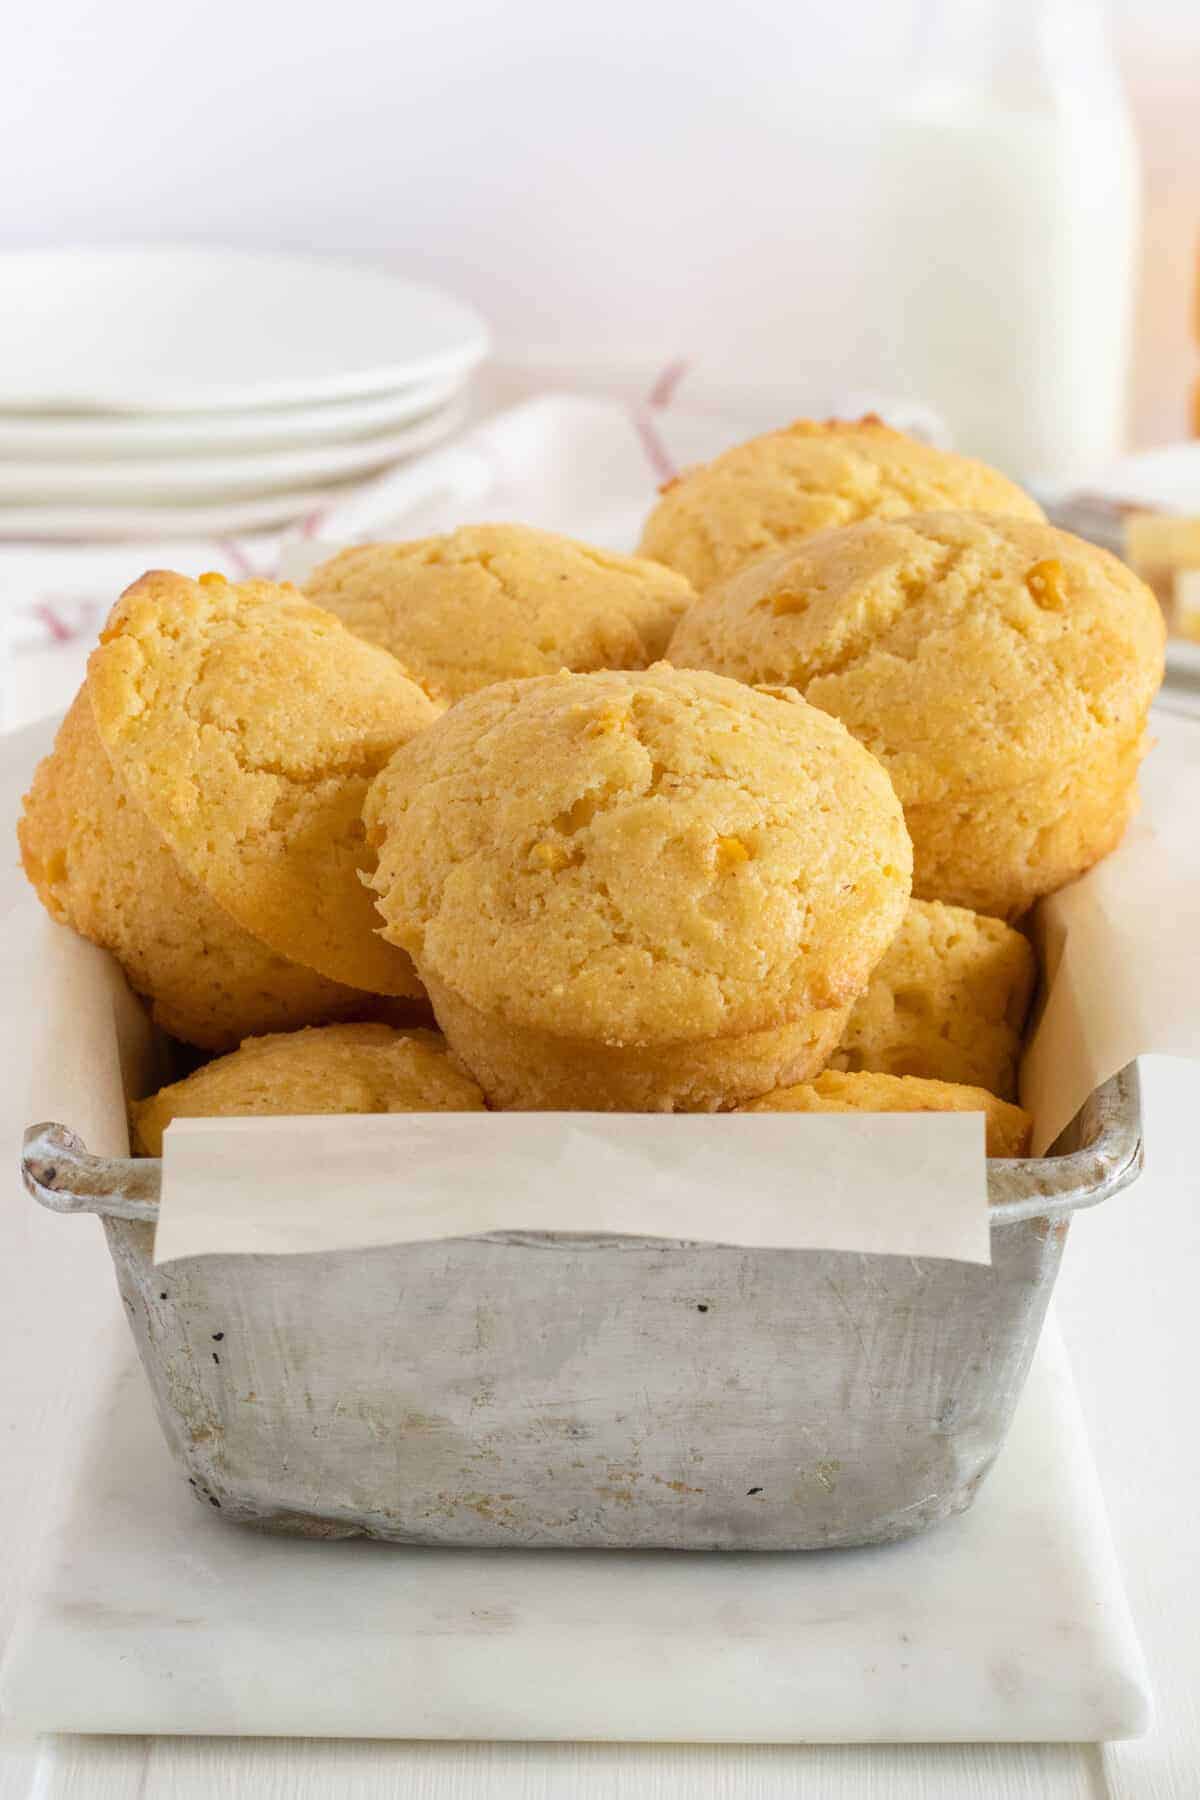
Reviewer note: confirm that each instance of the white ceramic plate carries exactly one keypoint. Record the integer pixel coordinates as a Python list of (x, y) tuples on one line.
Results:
[(179, 330), (134, 524), (187, 481), (65, 437)]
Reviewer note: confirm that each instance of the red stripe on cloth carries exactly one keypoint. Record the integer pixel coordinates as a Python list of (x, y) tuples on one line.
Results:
[(59, 628), (662, 391), (657, 454), (236, 557)]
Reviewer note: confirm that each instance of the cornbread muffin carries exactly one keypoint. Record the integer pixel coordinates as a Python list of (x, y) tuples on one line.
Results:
[(100, 866), (326, 1069), (1008, 1127), (638, 891), (769, 492), (247, 725), (948, 1002), (492, 602), (1001, 670)]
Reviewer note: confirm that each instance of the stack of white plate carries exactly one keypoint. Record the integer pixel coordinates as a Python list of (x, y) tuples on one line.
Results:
[(196, 392)]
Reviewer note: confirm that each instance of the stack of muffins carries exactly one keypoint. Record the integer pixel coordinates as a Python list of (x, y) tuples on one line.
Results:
[(748, 821)]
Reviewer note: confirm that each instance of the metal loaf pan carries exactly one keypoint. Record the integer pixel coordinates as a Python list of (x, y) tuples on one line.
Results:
[(555, 1390)]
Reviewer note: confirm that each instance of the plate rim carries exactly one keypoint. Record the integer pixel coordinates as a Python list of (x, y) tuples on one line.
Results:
[(257, 473), (182, 397), (70, 436)]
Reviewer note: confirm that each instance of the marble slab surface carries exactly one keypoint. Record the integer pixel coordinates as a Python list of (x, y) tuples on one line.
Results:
[(151, 1615)]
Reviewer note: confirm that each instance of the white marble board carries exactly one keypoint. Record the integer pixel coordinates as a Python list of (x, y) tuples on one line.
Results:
[(149, 1615)]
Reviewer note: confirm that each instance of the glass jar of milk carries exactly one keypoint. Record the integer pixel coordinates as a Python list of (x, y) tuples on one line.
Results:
[(1007, 234)]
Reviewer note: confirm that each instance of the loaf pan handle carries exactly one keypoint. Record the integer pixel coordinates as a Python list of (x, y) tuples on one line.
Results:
[(1110, 1159), (60, 1174)]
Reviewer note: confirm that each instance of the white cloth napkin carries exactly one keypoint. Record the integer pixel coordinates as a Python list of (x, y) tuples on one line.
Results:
[(585, 465)]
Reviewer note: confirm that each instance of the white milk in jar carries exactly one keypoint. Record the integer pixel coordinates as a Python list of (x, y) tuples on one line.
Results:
[(1007, 235)]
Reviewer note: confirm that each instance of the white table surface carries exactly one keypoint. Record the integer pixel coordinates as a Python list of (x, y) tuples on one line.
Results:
[(1127, 1304)]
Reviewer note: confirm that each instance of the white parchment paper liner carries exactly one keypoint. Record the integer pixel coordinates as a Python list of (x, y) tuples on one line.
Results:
[(910, 1183), (1121, 948)]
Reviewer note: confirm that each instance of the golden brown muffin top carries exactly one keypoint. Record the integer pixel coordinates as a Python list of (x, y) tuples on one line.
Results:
[(320, 1069), (769, 492), (948, 1001), (1008, 1127), (640, 858), (493, 602), (100, 866), (967, 652), (247, 724)]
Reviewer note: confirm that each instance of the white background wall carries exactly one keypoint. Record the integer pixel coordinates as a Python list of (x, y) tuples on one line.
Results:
[(615, 181)]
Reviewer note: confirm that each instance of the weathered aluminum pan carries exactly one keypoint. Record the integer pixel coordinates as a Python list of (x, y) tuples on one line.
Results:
[(546, 1389)]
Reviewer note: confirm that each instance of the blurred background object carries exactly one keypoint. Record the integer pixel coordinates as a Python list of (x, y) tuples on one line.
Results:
[(1145, 508), (1006, 233), (610, 186), (755, 213), (174, 390)]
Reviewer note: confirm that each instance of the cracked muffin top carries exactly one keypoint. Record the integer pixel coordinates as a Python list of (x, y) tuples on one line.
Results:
[(764, 494), (247, 725), (648, 857), (366, 1068), (494, 602), (967, 652)]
